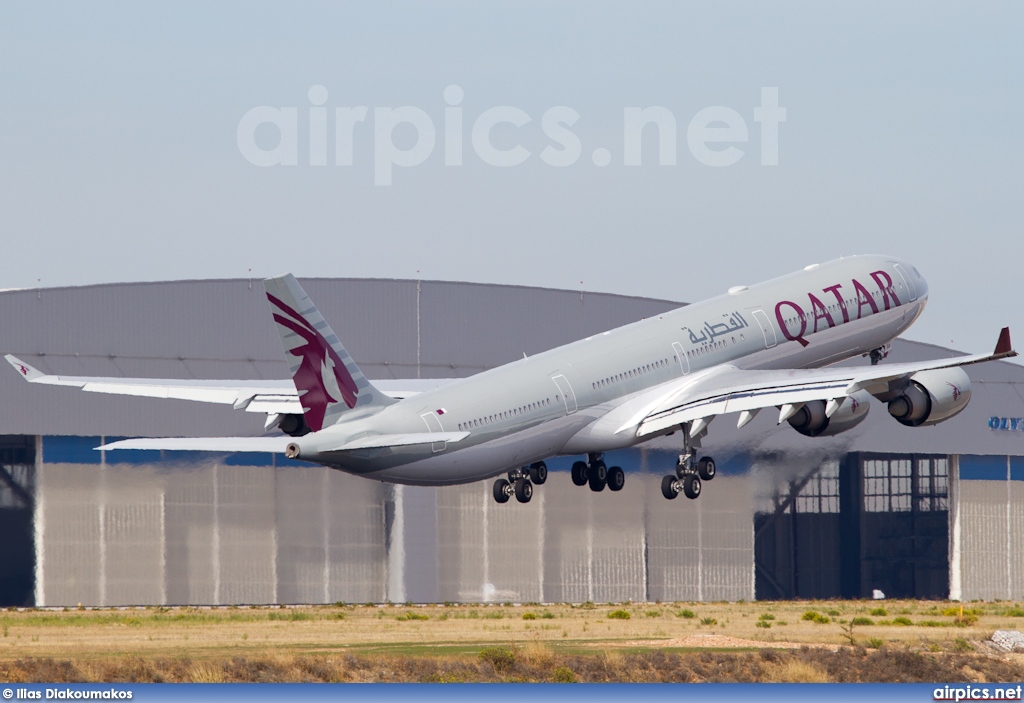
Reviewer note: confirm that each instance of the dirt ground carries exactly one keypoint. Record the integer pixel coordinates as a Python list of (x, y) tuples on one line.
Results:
[(761, 641)]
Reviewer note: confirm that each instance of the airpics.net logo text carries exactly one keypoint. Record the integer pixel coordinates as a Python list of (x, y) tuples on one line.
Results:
[(714, 135)]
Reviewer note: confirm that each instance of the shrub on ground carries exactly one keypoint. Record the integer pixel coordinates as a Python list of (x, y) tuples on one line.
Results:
[(563, 674), (815, 616), (501, 658)]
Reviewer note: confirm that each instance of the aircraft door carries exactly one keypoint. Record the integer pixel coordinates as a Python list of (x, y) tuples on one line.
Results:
[(565, 390), (911, 288), (434, 425), (684, 361), (770, 340)]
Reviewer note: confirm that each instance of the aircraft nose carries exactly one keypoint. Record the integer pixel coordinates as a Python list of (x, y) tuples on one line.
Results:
[(922, 284), (917, 283)]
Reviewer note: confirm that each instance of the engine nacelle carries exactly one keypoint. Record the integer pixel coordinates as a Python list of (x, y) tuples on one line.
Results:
[(811, 421), (293, 425), (931, 397)]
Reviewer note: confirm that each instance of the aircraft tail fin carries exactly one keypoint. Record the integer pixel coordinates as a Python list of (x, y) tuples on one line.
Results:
[(326, 377)]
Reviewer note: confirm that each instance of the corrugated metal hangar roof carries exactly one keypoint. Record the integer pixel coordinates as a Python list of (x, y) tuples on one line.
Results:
[(394, 329)]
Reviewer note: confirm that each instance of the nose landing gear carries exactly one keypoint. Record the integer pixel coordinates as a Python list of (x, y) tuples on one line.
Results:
[(879, 353)]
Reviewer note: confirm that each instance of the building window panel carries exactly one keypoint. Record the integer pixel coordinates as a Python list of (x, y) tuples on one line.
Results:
[(932, 484), (821, 493), (887, 485), (902, 485)]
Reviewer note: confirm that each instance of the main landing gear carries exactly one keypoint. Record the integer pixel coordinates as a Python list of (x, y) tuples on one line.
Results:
[(594, 472), (690, 471), (520, 483)]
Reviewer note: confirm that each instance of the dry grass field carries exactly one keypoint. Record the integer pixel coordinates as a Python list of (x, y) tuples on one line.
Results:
[(762, 641)]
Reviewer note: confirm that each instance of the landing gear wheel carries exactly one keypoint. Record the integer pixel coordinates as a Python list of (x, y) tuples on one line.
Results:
[(596, 484), (539, 473), (668, 487), (501, 490), (599, 471), (524, 490), (579, 473), (616, 478), (691, 486), (706, 468)]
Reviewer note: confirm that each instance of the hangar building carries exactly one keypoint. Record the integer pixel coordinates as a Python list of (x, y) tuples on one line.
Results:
[(927, 512)]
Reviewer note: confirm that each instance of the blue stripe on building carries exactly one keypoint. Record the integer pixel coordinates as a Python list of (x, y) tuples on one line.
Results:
[(71, 450), (134, 457), (982, 468), (1017, 468), (249, 459)]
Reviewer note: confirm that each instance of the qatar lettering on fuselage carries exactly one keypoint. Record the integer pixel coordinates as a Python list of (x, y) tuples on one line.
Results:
[(791, 314)]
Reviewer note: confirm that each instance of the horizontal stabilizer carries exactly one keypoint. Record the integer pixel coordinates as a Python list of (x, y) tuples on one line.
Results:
[(279, 444), (275, 445)]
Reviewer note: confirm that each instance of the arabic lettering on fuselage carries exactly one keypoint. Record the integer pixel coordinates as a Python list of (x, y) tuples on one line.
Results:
[(734, 321), (820, 312)]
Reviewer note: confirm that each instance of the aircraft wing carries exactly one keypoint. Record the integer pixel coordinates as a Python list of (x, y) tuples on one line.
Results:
[(271, 397), (726, 389)]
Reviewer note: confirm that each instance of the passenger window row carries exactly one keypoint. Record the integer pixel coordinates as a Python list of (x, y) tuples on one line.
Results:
[(504, 415), (631, 373), (809, 317), (706, 348)]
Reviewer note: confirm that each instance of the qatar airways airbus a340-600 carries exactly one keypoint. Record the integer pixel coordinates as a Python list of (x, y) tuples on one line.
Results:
[(760, 346)]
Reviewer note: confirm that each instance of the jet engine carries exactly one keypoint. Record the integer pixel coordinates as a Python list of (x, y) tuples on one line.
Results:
[(811, 421), (931, 397), (294, 425)]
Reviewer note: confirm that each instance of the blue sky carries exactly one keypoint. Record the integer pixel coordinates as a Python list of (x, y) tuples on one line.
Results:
[(119, 157)]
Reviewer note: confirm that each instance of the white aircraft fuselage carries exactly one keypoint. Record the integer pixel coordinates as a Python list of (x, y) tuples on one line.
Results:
[(588, 396)]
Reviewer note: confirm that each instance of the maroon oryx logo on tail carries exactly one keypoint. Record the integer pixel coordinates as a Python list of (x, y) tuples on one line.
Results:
[(321, 378)]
